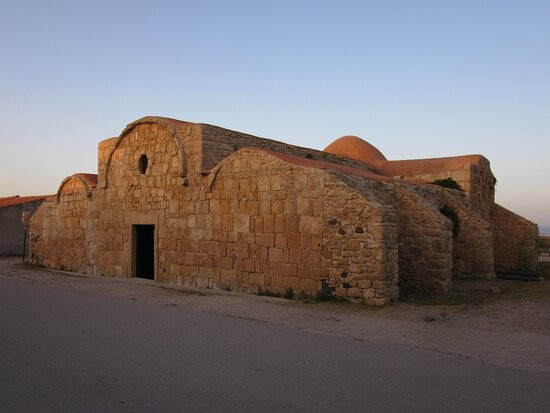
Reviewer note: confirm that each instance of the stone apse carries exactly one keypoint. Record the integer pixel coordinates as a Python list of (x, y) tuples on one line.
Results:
[(202, 206)]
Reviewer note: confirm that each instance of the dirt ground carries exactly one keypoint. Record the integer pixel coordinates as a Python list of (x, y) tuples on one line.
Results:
[(508, 325)]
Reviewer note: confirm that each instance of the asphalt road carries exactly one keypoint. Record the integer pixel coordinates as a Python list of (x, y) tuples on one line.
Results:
[(65, 350)]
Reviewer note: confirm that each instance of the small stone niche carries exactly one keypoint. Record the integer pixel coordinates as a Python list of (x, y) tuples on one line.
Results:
[(142, 164)]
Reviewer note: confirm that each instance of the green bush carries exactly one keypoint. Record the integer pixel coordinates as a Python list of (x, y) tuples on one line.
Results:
[(447, 183), (323, 296), (267, 293), (288, 294)]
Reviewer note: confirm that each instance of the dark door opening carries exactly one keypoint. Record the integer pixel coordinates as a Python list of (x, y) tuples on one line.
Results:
[(144, 255)]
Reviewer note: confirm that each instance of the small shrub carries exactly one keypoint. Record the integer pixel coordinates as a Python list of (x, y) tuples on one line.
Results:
[(447, 183), (324, 296), (302, 295), (268, 293), (289, 294)]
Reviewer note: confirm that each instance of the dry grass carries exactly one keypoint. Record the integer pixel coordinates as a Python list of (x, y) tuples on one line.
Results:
[(480, 292)]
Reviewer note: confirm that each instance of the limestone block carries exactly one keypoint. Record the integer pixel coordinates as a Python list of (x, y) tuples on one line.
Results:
[(277, 207), (280, 241), (276, 255), (241, 223), (293, 240), (291, 282), (265, 240)]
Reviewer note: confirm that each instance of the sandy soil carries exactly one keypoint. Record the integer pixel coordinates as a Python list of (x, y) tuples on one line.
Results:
[(510, 327)]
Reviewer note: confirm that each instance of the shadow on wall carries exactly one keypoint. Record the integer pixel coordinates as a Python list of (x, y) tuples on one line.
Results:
[(13, 229)]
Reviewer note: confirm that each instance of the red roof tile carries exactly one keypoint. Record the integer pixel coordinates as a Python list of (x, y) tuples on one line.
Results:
[(16, 200), (90, 179)]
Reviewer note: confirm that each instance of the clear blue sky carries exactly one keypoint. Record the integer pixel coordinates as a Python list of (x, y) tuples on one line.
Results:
[(415, 78)]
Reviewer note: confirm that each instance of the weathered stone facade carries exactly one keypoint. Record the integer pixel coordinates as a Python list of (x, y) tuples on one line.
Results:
[(234, 211), (66, 228), (515, 241)]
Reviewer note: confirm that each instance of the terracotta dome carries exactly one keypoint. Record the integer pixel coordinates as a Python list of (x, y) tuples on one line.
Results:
[(356, 148)]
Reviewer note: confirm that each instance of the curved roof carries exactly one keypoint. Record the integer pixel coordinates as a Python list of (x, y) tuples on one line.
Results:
[(356, 148), (170, 124), (89, 181)]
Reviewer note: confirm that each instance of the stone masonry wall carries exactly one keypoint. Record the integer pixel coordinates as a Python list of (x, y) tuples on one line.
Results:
[(133, 198), (267, 225), (58, 231), (482, 187), (39, 235), (473, 243), (476, 180), (359, 240), (425, 242), (515, 241), (104, 148)]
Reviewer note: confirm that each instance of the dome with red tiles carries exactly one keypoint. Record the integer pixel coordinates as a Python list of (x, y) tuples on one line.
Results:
[(356, 148)]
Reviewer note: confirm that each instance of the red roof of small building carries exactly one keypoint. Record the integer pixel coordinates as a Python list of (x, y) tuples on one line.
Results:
[(16, 200)]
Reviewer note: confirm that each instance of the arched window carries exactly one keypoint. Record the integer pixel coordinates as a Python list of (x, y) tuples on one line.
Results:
[(142, 164)]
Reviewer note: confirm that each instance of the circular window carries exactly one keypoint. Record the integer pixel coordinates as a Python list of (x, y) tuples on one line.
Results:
[(142, 164)]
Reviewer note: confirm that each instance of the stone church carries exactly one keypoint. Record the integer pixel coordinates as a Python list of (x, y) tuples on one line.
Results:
[(198, 205)]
